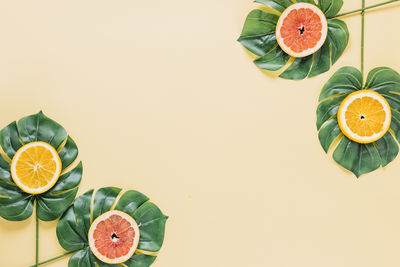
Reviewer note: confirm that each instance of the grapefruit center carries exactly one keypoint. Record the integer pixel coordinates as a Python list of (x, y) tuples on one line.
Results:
[(301, 29), (114, 237)]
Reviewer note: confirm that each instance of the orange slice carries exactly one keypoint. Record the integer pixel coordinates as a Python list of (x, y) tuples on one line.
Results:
[(114, 237), (364, 116), (36, 167), (301, 29)]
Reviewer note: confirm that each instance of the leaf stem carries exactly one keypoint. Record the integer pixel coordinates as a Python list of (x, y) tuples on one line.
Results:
[(365, 8), (362, 38), (37, 236), (55, 258)]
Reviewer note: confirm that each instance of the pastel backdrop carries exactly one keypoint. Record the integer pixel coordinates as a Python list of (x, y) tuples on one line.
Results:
[(161, 98)]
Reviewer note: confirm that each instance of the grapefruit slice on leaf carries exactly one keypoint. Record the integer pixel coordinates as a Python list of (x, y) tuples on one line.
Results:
[(309, 32), (301, 29), (108, 227), (114, 237)]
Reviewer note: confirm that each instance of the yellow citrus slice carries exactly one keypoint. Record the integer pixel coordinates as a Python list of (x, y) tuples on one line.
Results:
[(36, 167), (301, 29), (364, 116), (114, 237)]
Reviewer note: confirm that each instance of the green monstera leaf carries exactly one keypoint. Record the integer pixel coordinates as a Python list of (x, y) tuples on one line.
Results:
[(74, 225), (355, 157), (258, 37), (15, 204)]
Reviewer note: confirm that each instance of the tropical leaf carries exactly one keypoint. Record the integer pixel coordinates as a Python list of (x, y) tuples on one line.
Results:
[(258, 37), (103, 200), (355, 157), (386, 82), (68, 153), (258, 34), (10, 140), (299, 69), (274, 60), (17, 205), (387, 148), (328, 132), (306, 1), (278, 5), (73, 227), (140, 260), (338, 37), (330, 7), (53, 203), (38, 127)]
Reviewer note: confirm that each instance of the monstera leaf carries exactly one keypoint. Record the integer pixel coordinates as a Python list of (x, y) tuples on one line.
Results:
[(258, 36), (73, 227), (355, 157), (15, 204)]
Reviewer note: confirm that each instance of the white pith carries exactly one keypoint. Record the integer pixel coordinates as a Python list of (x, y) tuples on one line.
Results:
[(56, 173), (324, 30), (103, 217), (345, 128)]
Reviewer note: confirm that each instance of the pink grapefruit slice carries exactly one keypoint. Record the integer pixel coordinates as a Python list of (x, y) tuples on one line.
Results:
[(114, 237), (301, 30)]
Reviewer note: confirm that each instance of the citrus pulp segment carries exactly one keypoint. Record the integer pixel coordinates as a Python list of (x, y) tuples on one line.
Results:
[(301, 29), (364, 116), (114, 237), (36, 167)]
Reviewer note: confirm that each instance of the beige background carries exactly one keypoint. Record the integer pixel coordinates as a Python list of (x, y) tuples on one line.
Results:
[(161, 98)]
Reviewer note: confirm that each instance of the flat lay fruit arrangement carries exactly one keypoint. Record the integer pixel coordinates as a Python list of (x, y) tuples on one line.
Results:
[(357, 118), (108, 228)]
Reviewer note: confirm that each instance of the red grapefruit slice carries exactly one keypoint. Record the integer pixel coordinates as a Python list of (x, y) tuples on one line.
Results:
[(114, 237), (301, 29)]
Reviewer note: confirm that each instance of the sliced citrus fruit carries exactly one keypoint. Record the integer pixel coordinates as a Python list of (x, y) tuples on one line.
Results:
[(36, 167), (301, 29), (364, 116), (114, 237)]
